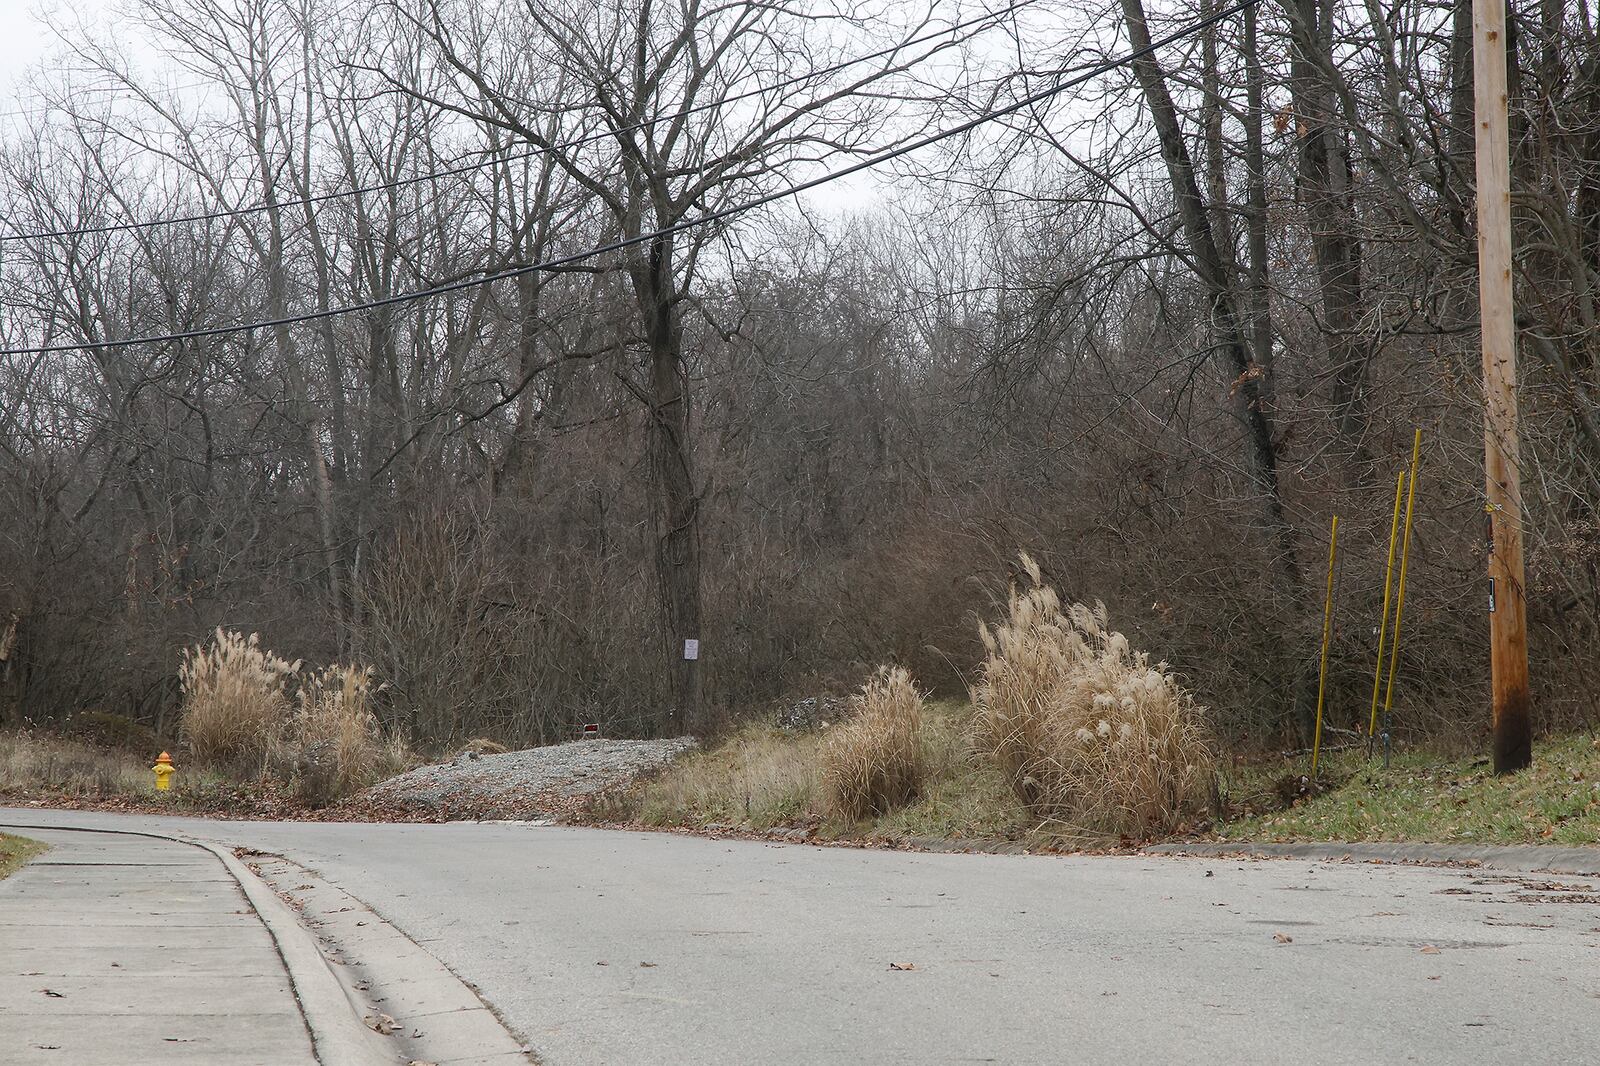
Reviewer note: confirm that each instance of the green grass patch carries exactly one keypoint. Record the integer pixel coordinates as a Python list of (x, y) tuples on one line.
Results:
[(1427, 797), (14, 851), (761, 777)]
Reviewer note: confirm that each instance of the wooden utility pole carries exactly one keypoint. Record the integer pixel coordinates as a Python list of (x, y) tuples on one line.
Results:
[(1508, 632)]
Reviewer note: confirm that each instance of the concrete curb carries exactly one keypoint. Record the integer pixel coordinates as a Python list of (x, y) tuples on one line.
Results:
[(338, 1035), (337, 1031), (1517, 858)]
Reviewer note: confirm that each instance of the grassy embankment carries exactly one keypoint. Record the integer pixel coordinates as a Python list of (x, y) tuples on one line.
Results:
[(14, 851), (761, 778), (1425, 796)]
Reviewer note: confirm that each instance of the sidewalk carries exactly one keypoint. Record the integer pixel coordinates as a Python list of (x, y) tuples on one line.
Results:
[(131, 951)]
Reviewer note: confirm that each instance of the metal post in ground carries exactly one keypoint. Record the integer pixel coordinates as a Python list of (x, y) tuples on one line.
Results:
[(1383, 623), (1400, 593)]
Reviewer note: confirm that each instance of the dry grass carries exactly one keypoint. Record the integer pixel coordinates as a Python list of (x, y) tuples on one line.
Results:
[(34, 763), (31, 760), (323, 741), (235, 699), (872, 762), (332, 746), (1087, 732), (758, 777), (249, 742), (761, 777)]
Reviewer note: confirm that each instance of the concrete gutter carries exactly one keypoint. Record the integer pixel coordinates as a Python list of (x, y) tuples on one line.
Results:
[(1517, 858), (339, 1036), (430, 1013)]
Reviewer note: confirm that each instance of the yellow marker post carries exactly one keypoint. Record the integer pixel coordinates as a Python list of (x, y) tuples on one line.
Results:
[(1388, 589), (1327, 635), (1400, 592), (164, 770)]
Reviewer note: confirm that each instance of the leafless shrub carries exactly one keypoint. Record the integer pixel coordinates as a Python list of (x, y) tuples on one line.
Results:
[(235, 698), (473, 642), (1084, 728), (872, 762)]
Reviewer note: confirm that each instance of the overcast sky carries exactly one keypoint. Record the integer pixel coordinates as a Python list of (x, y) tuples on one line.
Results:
[(21, 39), (24, 38)]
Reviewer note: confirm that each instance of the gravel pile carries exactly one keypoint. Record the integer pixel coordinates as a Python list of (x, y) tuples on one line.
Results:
[(537, 783)]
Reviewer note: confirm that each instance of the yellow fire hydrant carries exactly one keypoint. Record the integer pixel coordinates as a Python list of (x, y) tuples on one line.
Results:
[(164, 771)]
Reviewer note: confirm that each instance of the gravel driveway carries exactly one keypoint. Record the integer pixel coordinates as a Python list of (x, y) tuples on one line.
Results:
[(536, 783)]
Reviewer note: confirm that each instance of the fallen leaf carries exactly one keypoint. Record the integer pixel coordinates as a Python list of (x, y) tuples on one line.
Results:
[(647, 965), (1429, 949), (52, 993), (902, 966), (1283, 938), (382, 1024)]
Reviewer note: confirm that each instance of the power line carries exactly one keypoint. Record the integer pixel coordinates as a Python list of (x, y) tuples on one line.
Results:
[(47, 108), (468, 168), (668, 231)]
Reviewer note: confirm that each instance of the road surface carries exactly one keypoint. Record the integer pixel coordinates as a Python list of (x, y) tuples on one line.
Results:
[(635, 948)]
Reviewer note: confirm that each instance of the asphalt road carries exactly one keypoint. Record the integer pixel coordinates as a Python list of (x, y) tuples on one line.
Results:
[(629, 948)]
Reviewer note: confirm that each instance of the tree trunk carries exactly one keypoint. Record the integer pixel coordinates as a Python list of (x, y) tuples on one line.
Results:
[(1248, 403), (675, 503), (1256, 194), (1325, 188)]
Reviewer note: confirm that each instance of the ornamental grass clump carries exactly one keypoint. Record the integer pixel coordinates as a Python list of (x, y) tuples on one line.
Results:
[(235, 699), (872, 762), (332, 746), (1088, 733)]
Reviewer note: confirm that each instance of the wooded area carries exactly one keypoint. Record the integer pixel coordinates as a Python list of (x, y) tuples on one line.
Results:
[(1154, 330)]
